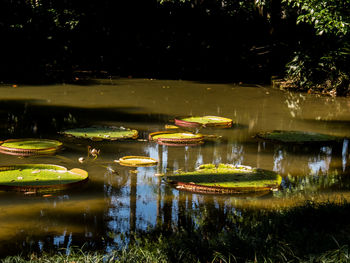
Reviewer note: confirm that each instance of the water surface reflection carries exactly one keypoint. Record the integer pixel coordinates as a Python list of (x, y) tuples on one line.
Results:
[(118, 201)]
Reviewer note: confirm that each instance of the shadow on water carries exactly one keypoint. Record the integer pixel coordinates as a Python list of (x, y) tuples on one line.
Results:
[(21, 117)]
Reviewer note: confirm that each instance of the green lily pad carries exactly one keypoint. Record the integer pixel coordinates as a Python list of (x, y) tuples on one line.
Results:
[(296, 137), (226, 178), (102, 133), (176, 138), (29, 146), (136, 161), (26, 177), (204, 121)]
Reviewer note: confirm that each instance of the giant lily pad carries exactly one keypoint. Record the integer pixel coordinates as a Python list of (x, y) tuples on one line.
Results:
[(29, 177), (98, 133), (26, 147), (226, 178), (176, 138), (296, 137), (137, 161), (204, 121)]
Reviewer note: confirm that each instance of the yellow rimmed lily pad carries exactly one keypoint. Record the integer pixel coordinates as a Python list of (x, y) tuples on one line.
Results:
[(36, 177), (98, 133), (26, 147), (170, 127), (226, 179), (136, 161), (297, 137), (204, 121), (176, 138)]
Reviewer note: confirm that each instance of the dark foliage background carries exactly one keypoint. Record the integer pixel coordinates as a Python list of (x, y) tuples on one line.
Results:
[(303, 41), (47, 40)]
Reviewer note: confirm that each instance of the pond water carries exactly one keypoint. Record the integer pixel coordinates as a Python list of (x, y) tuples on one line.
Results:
[(119, 200)]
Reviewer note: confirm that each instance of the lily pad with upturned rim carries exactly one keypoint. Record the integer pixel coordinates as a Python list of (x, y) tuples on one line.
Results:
[(98, 133), (176, 138), (297, 137), (226, 178), (137, 161), (204, 121), (26, 147), (29, 177)]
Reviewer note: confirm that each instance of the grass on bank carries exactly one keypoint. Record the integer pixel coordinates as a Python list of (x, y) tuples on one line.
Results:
[(311, 233), (139, 254)]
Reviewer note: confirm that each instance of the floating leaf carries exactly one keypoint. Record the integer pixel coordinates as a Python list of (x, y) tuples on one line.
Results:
[(226, 178), (176, 138), (204, 121), (29, 177), (26, 147), (170, 127), (98, 133), (137, 161), (297, 137)]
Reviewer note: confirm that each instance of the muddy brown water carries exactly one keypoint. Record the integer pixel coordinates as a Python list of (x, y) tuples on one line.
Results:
[(118, 200)]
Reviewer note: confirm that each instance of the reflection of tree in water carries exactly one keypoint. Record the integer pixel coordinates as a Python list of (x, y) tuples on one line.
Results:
[(294, 103), (315, 184), (277, 160), (115, 216), (203, 212), (299, 105), (133, 200), (319, 165), (310, 170), (113, 183), (206, 214), (167, 209), (180, 210), (304, 160), (164, 200), (315, 162), (184, 218), (203, 220), (235, 156), (210, 214), (345, 154)]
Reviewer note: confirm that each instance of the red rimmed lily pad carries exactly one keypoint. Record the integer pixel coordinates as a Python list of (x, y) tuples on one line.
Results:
[(204, 121), (176, 138), (226, 179), (98, 133), (27, 147), (39, 177)]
